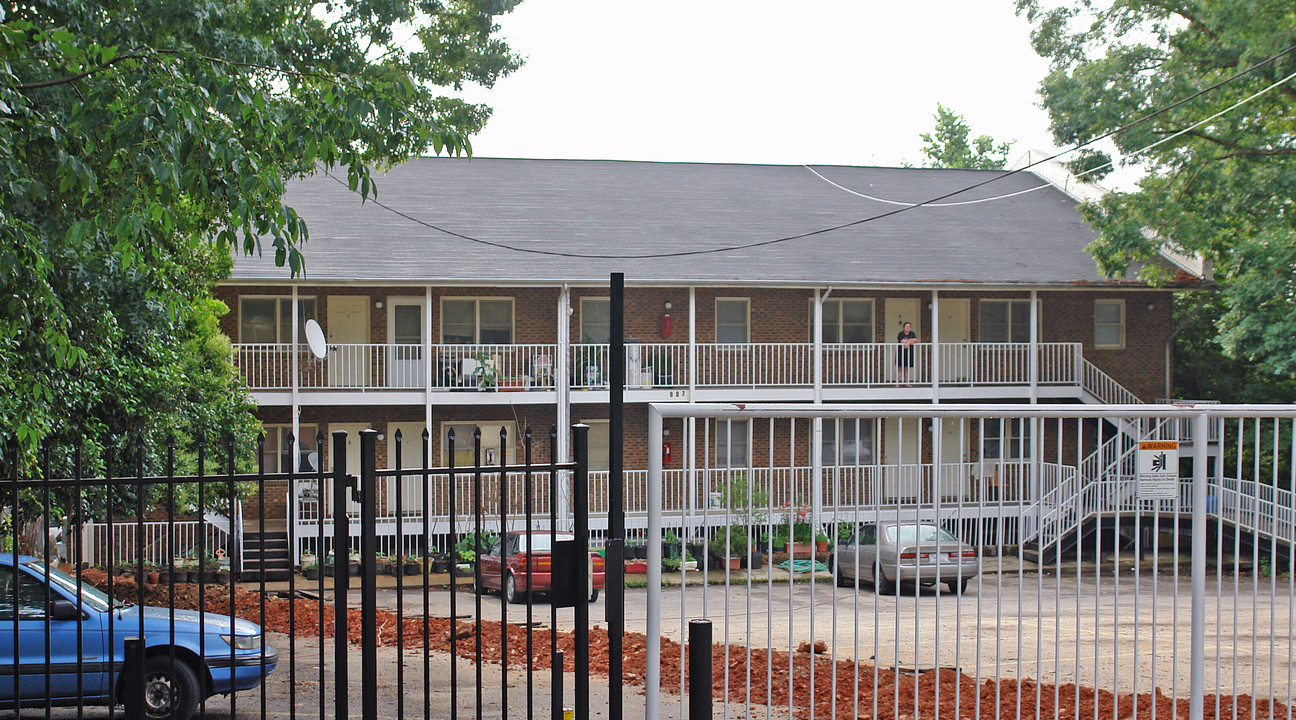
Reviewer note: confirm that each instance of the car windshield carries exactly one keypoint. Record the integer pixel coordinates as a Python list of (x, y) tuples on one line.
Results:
[(919, 533), (91, 596)]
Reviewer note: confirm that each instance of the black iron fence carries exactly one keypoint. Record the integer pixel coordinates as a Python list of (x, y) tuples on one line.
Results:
[(170, 623)]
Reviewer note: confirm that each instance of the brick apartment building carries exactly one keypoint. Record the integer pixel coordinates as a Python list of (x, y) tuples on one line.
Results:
[(475, 293)]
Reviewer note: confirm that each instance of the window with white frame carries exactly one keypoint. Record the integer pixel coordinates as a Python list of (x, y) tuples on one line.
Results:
[(845, 320), (269, 319), (1005, 321), (1109, 324), (847, 441), (595, 320), (490, 442), (1005, 439), (469, 321), (277, 450), (731, 320), (731, 444)]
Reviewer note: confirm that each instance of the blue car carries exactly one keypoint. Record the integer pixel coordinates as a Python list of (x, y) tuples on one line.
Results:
[(201, 655)]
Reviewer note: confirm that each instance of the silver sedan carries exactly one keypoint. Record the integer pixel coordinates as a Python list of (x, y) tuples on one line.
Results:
[(890, 553)]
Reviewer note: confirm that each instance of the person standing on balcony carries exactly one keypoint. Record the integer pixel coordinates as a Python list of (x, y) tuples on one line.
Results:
[(905, 361)]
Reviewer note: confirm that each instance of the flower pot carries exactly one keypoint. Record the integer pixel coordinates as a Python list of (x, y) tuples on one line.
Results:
[(312, 573), (440, 566), (413, 568), (821, 545), (628, 552), (641, 552), (755, 561)]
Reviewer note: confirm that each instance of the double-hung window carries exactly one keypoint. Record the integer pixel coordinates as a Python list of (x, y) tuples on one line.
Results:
[(1109, 324), (731, 443), (731, 320), (269, 320), (847, 441), (276, 453), (472, 321), (595, 320), (846, 320), (1005, 439), (1005, 321)]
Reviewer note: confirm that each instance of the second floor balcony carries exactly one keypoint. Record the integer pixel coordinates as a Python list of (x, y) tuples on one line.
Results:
[(536, 368)]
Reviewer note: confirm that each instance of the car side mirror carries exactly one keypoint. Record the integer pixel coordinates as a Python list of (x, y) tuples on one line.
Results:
[(60, 609)]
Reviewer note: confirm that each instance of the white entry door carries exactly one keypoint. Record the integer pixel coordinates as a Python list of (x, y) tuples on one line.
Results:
[(411, 457), (955, 472), (955, 331), (352, 465), (348, 339), (405, 368), (897, 312), (901, 469)]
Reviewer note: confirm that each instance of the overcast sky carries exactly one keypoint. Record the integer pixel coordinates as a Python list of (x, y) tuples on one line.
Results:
[(815, 81)]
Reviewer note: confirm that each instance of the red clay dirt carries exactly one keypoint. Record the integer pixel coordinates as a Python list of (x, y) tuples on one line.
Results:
[(939, 693)]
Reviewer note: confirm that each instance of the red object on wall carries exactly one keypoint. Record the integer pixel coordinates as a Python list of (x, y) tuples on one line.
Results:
[(666, 452), (665, 327)]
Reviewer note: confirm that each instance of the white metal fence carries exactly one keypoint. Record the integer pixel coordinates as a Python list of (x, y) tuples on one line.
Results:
[(1123, 598)]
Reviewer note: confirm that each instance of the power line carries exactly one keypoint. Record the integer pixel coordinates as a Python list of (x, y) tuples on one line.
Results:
[(934, 202)]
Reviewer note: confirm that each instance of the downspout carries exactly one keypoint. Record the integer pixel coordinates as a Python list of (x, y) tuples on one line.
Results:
[(1169, 357)]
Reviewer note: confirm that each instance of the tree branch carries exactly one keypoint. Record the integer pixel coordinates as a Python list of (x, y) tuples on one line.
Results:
[(23, 87), (1240, 149)]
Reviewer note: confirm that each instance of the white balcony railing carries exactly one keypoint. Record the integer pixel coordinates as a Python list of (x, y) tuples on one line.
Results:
[(381, 366)]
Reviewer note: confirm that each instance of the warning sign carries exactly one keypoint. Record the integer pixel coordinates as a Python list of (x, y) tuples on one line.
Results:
[(1158, 470)]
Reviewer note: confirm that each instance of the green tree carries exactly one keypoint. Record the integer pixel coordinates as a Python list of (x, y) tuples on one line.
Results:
[(142, 141), (950, 145), (1222, 189)]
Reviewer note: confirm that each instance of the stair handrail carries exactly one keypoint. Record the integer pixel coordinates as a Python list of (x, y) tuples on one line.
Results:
[(1104, 387)]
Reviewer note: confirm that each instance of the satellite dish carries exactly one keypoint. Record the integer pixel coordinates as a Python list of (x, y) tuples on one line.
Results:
[(315, 338)]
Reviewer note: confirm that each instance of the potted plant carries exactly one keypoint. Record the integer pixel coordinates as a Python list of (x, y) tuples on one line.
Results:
[(487, 375), (513, 383), (671, 545), (729, 546), (413, 564), (311, 570), (440, 563), (821, 541)]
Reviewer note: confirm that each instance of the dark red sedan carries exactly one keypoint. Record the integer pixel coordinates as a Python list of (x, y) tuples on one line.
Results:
[(504, 565)]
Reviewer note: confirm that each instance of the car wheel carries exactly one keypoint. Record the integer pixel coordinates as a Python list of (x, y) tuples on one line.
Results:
[(170, 691), (960, 586), (511, 593), (594, 595), (881, 585)]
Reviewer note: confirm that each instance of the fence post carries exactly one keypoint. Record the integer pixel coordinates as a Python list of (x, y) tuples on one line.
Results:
[(1201, 476), (341, 562), (133, 676), (699, 669), (368, 574), (580, 488)]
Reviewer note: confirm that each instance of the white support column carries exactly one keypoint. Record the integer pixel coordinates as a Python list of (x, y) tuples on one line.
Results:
[(562, 387), (1197, 639), (816, 425), (690, 423), (1036, 442), (433, 377), (935, 349), (296, 388)]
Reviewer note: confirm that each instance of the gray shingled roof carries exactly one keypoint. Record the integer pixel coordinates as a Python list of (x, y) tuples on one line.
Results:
[(628, 208)]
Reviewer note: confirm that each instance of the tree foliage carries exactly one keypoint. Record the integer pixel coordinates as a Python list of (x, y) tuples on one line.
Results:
[(951, 145), (141, 141), (1223, 189)]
